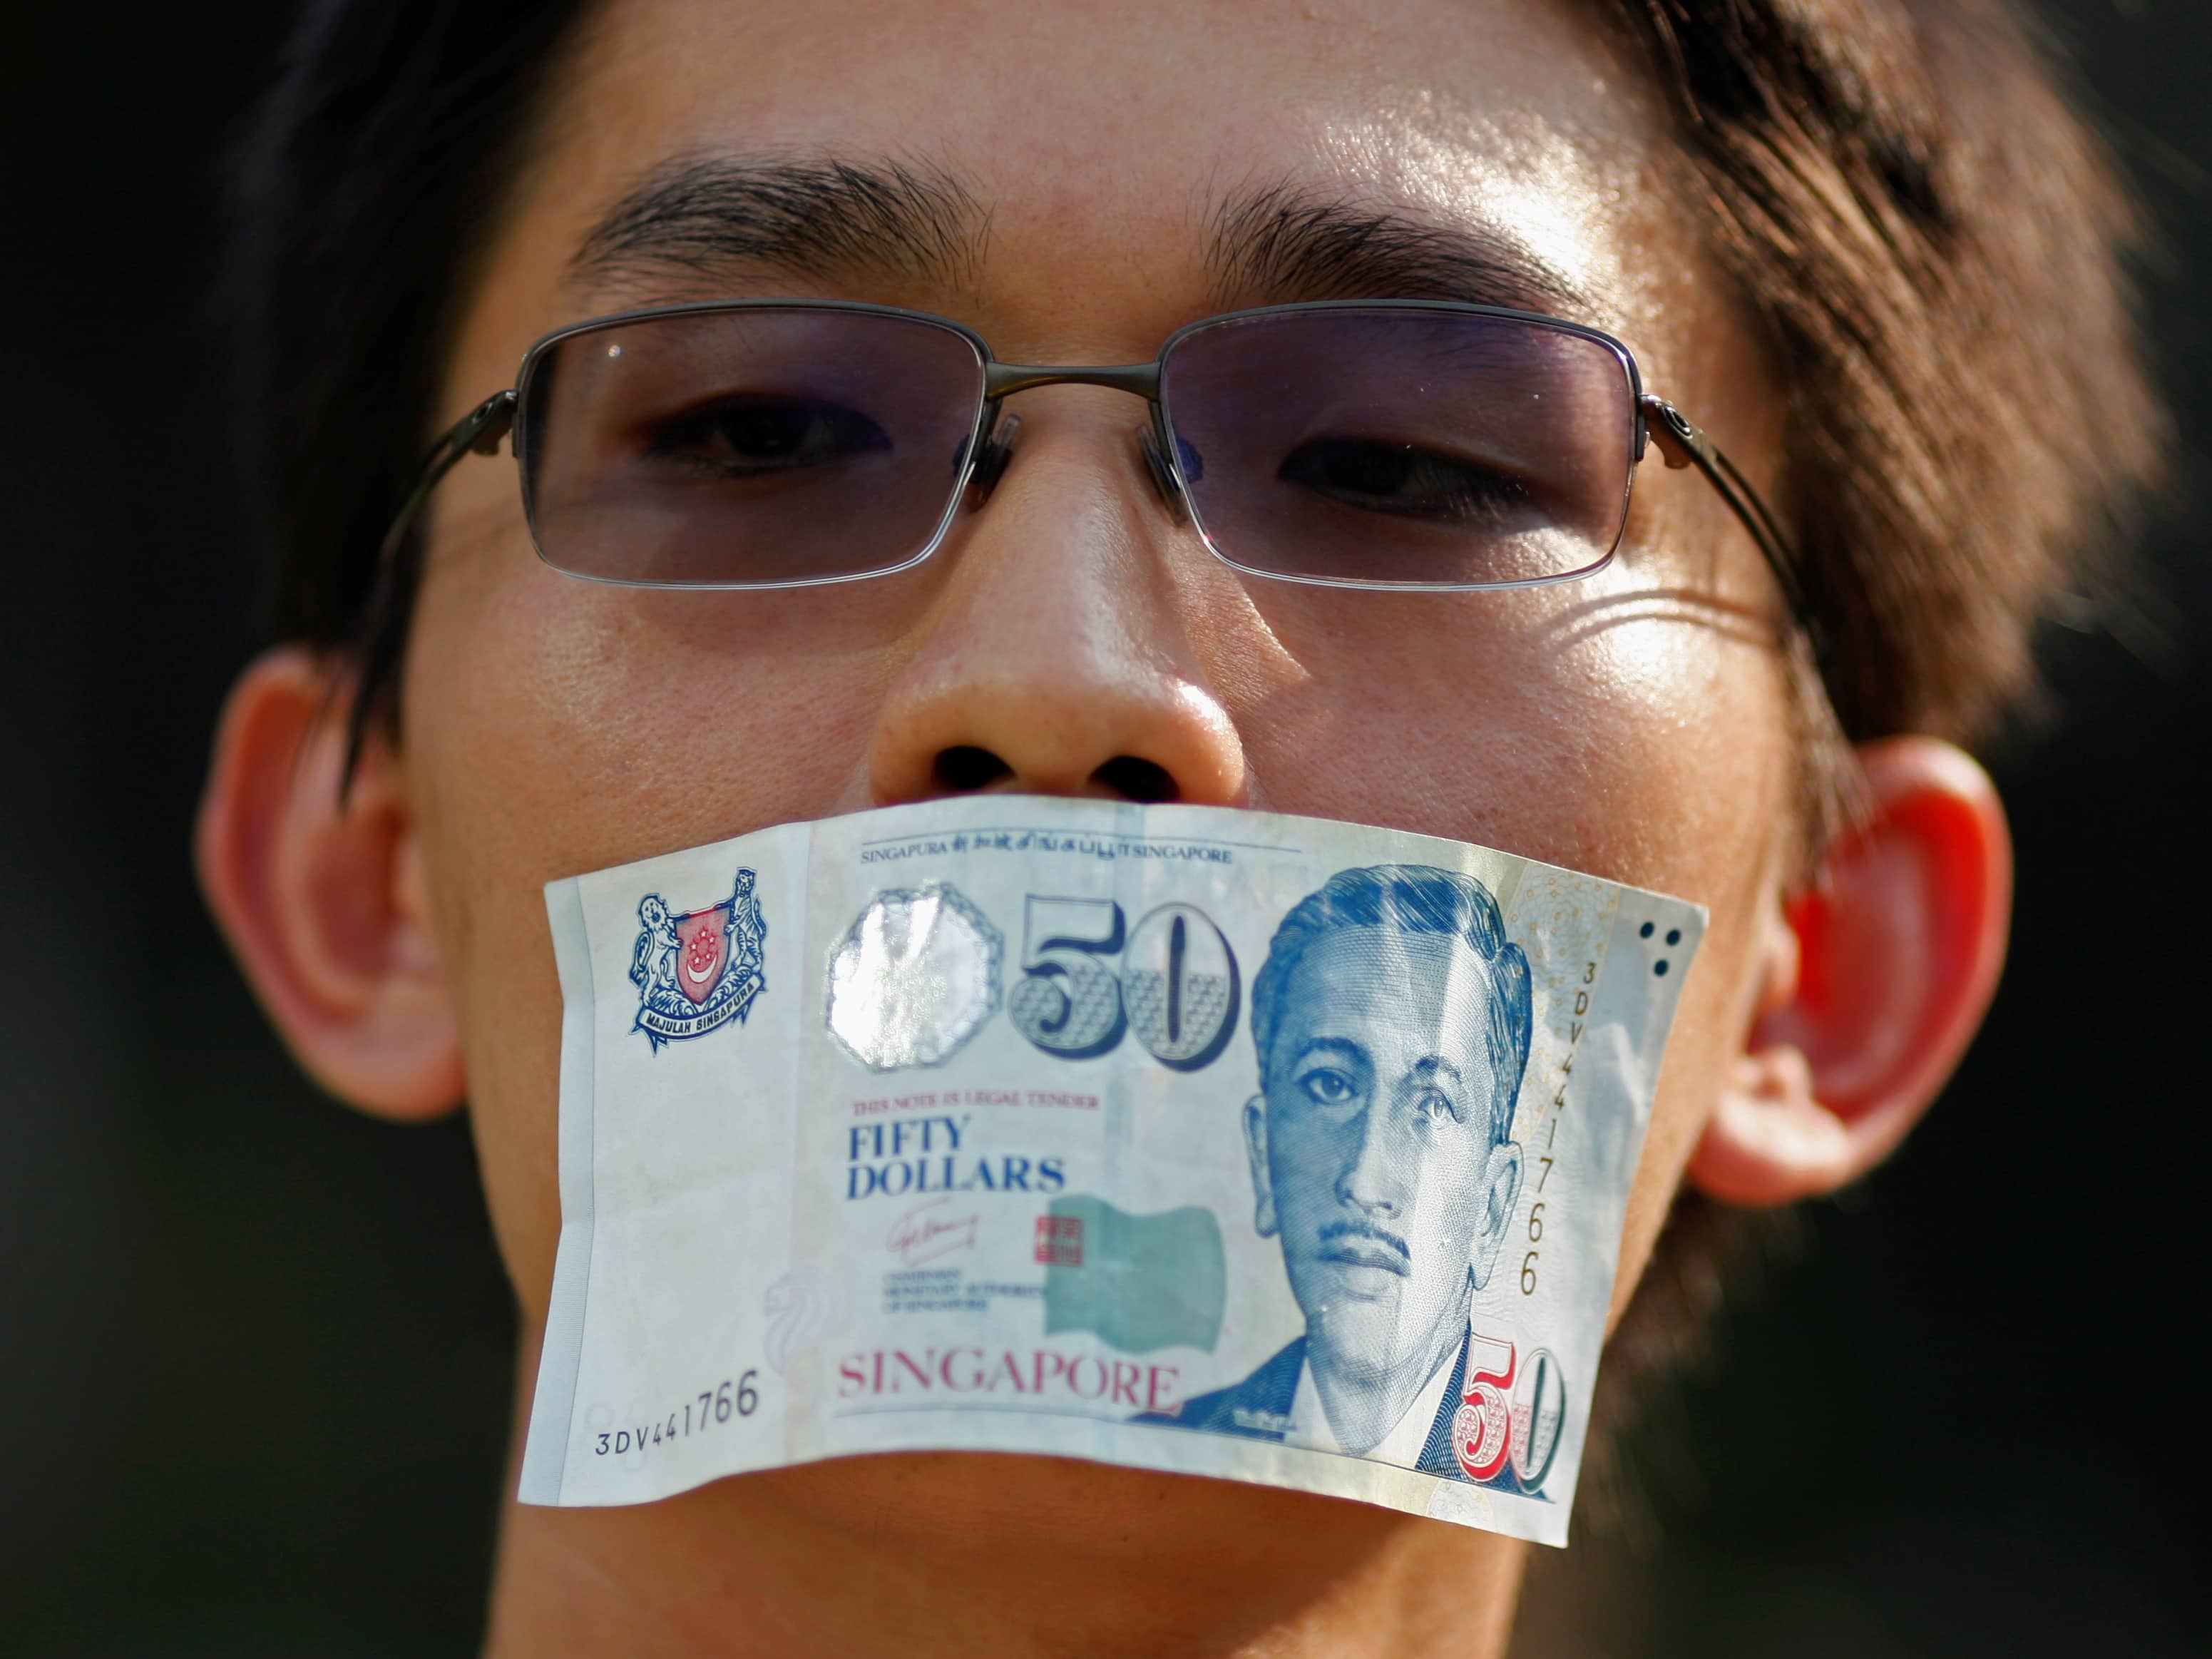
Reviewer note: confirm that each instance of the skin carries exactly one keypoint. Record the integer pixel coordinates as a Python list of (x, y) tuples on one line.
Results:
[(1633, 725), (1373, 1156)]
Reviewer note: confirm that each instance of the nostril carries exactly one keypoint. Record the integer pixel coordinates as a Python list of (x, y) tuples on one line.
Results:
[(1136, 780), (964, 768)]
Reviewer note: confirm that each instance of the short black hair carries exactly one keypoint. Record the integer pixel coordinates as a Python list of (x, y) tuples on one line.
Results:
[(363, 195)]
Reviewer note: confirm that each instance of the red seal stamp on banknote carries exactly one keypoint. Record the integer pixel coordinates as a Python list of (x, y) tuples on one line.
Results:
[(1060, 1241)]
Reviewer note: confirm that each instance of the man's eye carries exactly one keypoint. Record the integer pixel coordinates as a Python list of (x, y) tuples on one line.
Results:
[(1326, 1086), (1404, 480), (758, 436), (1436, 1107)]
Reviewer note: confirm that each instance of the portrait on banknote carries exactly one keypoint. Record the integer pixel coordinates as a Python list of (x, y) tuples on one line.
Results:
[(1391, 1027)]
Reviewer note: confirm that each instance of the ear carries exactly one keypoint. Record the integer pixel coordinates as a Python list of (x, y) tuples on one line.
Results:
[(1256, 1148), (1877, 981), (1501, 1191), (324, 906)]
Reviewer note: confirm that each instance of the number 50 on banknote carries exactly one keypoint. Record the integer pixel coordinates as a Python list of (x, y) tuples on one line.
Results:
[(1270, 1149)]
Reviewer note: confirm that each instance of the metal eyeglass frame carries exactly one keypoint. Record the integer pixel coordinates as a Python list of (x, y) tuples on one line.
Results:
[(1682, 443)]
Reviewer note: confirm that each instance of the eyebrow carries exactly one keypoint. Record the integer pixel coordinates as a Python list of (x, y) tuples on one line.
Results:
[(1436, 1067), (1290, 241), (698, 215), (1338, 1047)]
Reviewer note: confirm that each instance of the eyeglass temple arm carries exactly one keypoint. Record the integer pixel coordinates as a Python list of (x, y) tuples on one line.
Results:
[(478, 432), (1682, 444)]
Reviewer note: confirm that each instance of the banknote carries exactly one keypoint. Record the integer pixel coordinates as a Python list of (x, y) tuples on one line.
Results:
[(1266, 1148)]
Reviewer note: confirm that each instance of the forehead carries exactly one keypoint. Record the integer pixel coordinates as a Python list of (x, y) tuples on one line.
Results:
[(1401, 997), (1098, 141)]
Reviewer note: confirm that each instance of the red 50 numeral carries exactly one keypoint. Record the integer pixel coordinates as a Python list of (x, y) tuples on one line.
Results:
[(1512, 1414)]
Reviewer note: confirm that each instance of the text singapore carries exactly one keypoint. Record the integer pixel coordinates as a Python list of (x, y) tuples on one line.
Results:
[(1041, 1373)]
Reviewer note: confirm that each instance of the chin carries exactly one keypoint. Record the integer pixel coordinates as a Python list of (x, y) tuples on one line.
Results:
[(1359, 1334), (1005, 1508)]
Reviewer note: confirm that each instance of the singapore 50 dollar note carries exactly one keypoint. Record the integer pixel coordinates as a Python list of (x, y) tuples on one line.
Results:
[(1264, 1148)]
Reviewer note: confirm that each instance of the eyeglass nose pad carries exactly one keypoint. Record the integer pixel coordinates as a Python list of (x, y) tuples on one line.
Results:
[(1163, 475), (991, 459)]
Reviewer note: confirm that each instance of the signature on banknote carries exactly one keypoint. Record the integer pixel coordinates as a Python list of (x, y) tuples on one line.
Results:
[(929, 1232)]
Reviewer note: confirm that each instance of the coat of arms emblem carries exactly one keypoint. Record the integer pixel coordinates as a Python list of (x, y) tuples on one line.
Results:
[(698, 970)]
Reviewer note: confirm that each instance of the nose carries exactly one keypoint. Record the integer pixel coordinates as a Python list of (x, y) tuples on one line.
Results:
[(1372, 1181), (1057, 658)]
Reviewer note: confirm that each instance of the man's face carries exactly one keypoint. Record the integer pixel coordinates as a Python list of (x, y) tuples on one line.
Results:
[(1381, 1163), (1631, 724)]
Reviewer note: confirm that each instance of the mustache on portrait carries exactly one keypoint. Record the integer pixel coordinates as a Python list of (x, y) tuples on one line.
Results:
[(1398, 1255)]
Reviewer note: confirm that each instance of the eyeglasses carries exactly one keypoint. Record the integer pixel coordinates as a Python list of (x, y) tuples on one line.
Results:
[(1410, 444)]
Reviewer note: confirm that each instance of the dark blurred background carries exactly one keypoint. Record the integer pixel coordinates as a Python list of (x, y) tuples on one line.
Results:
[(254, 1350)]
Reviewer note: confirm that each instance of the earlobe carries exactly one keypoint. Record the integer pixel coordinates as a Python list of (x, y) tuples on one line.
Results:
[(1876, 982), (1256, 1148), (325, 905)]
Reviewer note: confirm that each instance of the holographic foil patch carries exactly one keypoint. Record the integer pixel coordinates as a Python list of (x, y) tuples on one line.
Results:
[(914, 977)]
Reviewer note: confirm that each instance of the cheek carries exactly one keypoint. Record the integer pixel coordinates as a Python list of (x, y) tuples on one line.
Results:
[(578, 725), (1449, 1205), (1616, 726), (1302, 1159), (1612, 731), (551, 727)]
